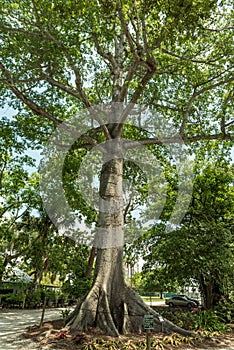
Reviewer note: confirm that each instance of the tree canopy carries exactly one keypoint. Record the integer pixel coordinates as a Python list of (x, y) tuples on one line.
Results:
[(174, 56)]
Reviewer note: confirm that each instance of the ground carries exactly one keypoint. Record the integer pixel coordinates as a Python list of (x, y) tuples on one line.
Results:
[(52, 336)]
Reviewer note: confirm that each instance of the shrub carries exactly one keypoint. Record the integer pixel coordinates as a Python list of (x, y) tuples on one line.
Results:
[(182, 318), (12, 300), (225, 310), (65, 313), (209, 320), (33, 298)]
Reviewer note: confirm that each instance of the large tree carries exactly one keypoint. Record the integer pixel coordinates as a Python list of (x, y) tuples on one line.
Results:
[(175, 56)]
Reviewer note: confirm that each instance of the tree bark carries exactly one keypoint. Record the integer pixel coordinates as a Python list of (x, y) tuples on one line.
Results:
[(211, 292), (91, 262)]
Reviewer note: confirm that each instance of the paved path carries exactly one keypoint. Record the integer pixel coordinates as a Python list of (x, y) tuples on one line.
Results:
[(14, 322)]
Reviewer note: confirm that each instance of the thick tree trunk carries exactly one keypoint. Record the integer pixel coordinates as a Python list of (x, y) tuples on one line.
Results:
[(212, 295), (111, 305), (210, 291), (114, 307)]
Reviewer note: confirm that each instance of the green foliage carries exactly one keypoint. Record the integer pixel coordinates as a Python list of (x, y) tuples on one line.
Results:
[(54, 257), (153, 281), (17, 193), (183, 318), (176, 340), (73, 66), (209, 321), (77, 286), (201, 249), (197, 320), (183, 38), (65, 313), (12, 299), (33, 298), (137, 342), (225, 309), (89, 346)]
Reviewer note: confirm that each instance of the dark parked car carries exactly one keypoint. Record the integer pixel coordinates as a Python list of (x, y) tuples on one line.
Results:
[(180, 301)]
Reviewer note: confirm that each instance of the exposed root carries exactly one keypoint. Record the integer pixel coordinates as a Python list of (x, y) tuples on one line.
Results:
[(85, 313), (138, 306), (105, 320), (120, 316)]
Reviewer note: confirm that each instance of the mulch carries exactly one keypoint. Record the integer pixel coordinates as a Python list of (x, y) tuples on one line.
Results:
[(53, 335)]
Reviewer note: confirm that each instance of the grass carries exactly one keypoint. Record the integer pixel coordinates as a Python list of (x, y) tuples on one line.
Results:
[(153, 299)]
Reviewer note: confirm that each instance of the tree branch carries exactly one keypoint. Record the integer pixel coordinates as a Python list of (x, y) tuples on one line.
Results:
[(148, 75), (218, 30), (47, 35), (75, 94), (131, 42), (29, 103), (127, 207), (229, 123), (106, 55), (177, 139), (3, 168), (223, 123), (6, 209), (10, 257), (128, 79), (41, 112), (61, 86), (190, 59), (187, 111), (81, 94), (212, 86), (174, 109), (20, 30), (195, 95)]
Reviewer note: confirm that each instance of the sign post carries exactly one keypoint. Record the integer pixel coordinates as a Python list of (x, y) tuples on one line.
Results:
[(149, 326)]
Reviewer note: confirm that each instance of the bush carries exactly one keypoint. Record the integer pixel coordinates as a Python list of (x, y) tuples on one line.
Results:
[(12, 300), (225, 310), (208, 320), (182, 318), (65, 313), (33, 299)]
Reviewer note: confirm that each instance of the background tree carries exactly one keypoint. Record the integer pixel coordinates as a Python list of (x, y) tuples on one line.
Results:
[(16, 193), (154, 280), (50, 255), (175, 56), (201, 250)]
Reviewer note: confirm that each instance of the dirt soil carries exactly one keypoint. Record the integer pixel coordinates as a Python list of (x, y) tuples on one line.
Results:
[(53, 336)]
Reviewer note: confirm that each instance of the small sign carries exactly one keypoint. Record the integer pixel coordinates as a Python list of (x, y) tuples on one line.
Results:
[(149, 322), (161, 319)]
